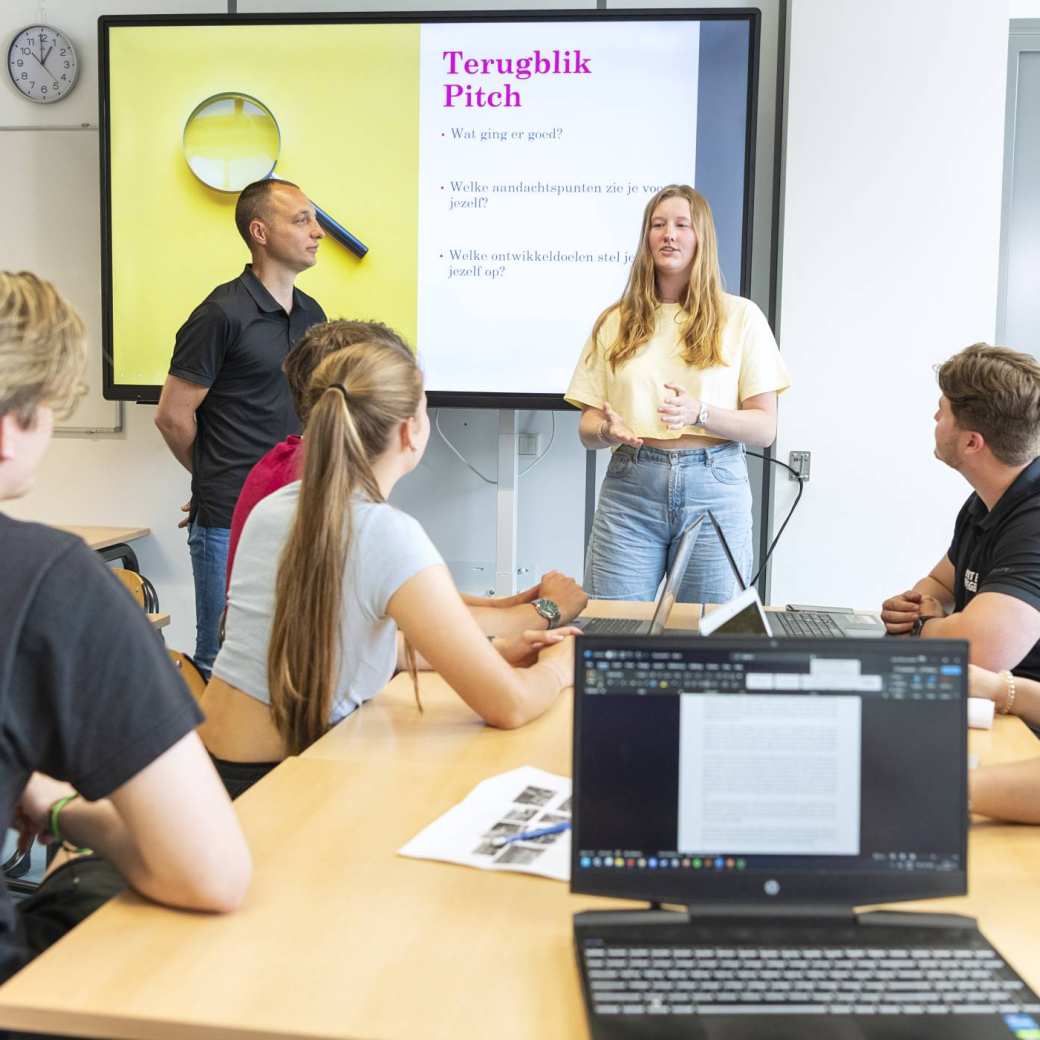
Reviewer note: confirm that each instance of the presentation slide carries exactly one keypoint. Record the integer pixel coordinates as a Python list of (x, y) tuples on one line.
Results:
[(769, 774), (494, 173)]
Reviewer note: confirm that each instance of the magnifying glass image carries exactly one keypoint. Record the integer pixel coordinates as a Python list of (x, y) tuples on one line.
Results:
[(231, 140)]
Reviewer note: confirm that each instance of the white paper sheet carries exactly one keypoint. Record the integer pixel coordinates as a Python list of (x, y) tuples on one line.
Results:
[(523, 799)]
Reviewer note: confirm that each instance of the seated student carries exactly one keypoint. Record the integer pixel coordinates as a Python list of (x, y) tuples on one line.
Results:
[(91, 705), (327, 572), (555, 601), (986, 589)]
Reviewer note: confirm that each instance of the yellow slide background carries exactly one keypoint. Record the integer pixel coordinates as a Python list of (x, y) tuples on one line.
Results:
[(346, 98)]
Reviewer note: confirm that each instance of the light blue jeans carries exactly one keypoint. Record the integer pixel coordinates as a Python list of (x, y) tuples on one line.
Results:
[(648, 498), (209, 551)]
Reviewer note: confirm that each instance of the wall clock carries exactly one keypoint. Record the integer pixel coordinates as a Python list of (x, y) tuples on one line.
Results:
[(41, 62)]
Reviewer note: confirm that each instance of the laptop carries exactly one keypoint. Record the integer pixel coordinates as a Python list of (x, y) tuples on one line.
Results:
[(665, 598), (812, 622), (765, 788)]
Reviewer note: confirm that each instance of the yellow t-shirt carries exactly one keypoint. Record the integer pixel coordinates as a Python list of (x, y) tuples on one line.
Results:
[(636, 389)]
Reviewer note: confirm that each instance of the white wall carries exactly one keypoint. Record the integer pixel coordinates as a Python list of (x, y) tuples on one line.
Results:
[(891, 223)]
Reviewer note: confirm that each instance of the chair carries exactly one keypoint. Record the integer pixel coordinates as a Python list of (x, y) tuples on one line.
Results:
[(189, 672), (140, 588)]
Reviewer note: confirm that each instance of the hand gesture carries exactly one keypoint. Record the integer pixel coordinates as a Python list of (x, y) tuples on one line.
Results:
[(900, 612), (565, 592), (186, 509), (522, 650), (678, 409), (614, 431)]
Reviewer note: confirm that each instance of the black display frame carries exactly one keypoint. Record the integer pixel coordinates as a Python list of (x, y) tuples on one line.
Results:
[(745, 889), (149, 394)]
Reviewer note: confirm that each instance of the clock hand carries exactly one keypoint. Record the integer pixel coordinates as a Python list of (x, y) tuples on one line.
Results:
[(46, 56)]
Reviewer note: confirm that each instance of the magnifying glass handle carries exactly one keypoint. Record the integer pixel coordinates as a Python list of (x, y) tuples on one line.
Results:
[(340, 233)]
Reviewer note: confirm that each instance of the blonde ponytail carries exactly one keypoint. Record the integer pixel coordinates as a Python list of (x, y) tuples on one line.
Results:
[(358, 398)]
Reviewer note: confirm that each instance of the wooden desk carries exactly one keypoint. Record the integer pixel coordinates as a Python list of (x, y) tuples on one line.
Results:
[(110, 542), (341, 938), (158, 621)]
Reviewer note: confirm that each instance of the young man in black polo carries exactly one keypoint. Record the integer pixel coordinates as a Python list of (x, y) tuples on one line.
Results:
[(226, 402), (99, 745), (986, 589)]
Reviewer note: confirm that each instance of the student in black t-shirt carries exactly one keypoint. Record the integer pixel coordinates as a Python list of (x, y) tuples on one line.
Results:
[(226, 402), (986, 589), (97, 730)]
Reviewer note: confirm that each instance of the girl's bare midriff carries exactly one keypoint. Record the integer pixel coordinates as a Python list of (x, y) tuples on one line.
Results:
[(682, 443), (238, 728)]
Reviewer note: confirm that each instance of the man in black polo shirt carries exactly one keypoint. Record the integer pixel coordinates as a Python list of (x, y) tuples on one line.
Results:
[(986, 589), (226, 402)]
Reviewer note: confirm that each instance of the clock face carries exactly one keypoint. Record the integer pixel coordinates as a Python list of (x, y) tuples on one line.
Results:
[(42, 64)]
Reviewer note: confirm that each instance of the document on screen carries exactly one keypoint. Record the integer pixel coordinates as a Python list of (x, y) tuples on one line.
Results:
[(769, 774)]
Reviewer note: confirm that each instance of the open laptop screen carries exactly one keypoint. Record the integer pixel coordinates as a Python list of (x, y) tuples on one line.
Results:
[(757, 769)]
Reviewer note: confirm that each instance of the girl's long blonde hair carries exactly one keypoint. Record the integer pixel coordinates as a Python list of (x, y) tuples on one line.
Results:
[(358, 398), (701, 332)]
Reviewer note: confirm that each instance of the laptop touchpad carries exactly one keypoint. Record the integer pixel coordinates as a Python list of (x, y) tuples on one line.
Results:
[(780, 1027)]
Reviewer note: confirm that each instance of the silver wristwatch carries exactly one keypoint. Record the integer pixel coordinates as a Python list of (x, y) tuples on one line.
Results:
[(702, 416), (548, 610)]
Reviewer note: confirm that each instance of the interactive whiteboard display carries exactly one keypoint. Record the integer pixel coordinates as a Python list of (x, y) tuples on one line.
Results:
[(489, 173)]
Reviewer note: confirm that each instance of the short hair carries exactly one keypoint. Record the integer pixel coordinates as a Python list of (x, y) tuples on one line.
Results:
[(996, 392), (254, 204), (319, 341), (42, 348)]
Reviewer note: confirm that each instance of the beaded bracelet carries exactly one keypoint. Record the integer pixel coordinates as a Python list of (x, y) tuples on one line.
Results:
[(1009, 701)]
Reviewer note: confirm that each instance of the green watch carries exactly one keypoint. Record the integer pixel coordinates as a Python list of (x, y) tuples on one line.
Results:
[(548, 610)]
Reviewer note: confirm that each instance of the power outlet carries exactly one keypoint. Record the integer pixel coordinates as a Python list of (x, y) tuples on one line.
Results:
[(799, 462), (528, 443)]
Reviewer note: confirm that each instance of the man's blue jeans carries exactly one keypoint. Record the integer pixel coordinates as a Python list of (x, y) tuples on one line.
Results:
[(648, 498), (209, 551)]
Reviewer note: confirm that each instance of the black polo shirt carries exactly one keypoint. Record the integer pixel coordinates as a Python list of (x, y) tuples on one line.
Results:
[(998, 550), (234, 342)]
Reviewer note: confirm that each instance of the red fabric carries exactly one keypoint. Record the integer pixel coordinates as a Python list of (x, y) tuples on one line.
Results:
[(280, 466)]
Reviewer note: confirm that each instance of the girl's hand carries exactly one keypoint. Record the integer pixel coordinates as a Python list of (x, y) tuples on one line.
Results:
[(678, 409), (614, 431), (521, 651)]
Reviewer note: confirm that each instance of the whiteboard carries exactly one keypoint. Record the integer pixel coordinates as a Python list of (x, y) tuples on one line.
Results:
[(53, 229)]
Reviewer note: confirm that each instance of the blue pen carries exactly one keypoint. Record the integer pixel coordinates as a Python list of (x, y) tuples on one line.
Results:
[(541, 832)]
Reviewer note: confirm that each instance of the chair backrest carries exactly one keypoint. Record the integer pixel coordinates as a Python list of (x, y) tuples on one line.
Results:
[(139, 587), (189, 672)]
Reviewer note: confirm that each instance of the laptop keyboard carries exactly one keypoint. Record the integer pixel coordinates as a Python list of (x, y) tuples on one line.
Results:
[(612, 626), (807, 624), (835, 980)]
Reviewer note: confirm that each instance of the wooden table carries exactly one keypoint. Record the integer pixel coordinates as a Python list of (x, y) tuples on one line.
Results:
[(339, 937), (110, 542), (158, 621)]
